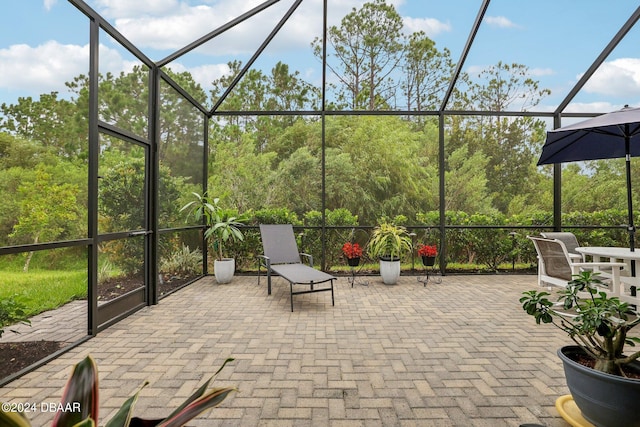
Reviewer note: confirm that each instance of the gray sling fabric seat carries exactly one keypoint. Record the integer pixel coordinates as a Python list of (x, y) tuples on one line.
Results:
[(570, 242), (281, 256)]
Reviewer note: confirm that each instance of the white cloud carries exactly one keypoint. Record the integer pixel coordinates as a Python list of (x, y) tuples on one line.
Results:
[(172, 24), (537, 72), (130, 9), (203, 74), (48, 4), (473, 70), (46, 68), (169, 25), (500, 22), (618, 78), (43, 68), (589, 107), (431, 26)]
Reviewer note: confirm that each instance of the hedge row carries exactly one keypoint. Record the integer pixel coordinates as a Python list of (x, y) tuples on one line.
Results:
[(480, 239)]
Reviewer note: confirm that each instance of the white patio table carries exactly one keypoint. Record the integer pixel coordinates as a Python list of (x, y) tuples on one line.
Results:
[(616, 254)]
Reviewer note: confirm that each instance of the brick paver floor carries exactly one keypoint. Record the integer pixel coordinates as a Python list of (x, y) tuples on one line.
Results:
[(458, 353)]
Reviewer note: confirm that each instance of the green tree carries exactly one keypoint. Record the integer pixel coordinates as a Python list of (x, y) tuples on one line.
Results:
[(182, 126), (297, 183), (466, 188), (288, 92), (121, 203), (427, 72), (599, 185), (23, 153), (367, 47), (47, 210), (393, 172), (282, 90), (54, 123), (240, 175), (123, 102), (509, 143)]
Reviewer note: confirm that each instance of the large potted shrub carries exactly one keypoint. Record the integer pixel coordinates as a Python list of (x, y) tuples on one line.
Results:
[(603, 380), (388, 243), (222, 227)]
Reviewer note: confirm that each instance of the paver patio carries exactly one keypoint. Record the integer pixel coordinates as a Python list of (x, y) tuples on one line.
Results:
[(459, 353)]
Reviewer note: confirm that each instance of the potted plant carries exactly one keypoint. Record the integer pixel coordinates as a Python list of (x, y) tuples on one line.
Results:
[(221, 228), (604, 381), (353, 252), (388, 243), (428, 254)]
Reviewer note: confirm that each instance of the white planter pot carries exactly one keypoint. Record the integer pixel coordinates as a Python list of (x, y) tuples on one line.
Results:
[(389, 271), (224, 269)]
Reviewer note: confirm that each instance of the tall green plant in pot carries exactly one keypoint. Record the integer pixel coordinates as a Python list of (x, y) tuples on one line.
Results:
[(389, 242), (222, 227), (606, 390)]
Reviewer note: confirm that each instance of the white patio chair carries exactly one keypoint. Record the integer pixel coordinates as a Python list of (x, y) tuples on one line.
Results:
[(570, 242), (557, 267)]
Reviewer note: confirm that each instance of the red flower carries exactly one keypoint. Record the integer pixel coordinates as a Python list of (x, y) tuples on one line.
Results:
[(426, 250), (352, 250)]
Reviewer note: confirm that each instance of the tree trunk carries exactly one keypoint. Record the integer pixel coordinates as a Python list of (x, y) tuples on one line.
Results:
[(29, 256), (608, 366)]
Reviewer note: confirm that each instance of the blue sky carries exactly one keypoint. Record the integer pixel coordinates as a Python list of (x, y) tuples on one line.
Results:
[(44, 43)]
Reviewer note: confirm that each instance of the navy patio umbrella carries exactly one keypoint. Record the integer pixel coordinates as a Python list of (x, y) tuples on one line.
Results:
[(609, 136)]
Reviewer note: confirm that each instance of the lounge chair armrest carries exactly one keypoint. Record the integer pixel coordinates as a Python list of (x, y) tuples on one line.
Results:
[(266, 259), (309, 258)]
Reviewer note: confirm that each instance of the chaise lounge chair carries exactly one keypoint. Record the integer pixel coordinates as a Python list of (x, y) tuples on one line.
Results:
[(281, 256)]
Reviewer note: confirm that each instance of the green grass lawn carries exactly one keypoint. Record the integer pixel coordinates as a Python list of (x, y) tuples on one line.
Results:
[(42, 290)]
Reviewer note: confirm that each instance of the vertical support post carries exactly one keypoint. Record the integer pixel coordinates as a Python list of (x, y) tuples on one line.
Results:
[(442, 199), (323, 119), (557, 186), (92, 201), (205, 188), (153, 176)]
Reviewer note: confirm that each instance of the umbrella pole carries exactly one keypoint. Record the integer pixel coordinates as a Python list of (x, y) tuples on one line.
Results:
[(631, 227)]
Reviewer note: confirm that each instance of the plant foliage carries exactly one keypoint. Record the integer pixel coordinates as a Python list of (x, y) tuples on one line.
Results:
[(389, 240), (222, 227), (82, 390), (597, 323), (12, 312)]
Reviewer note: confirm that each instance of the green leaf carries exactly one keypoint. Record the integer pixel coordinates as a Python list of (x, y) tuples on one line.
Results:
[(210, 400), (13, 419), (123, 417), (200, 391), (86, 423), (82, 387)]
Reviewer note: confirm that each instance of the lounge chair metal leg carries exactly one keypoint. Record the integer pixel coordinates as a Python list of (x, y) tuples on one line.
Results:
[(332, 300), (259, 273)]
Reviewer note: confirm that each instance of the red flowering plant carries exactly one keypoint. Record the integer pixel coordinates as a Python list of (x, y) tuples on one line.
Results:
[(352, 250), (426, 250)]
